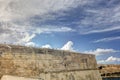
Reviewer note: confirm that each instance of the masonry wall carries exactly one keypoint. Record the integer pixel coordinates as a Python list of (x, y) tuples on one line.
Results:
[(47, 64)]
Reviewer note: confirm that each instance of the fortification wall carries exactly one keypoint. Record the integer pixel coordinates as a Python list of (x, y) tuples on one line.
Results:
[(47, 64)]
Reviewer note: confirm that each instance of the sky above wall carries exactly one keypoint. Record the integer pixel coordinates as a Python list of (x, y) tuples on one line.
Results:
[(87, 26)]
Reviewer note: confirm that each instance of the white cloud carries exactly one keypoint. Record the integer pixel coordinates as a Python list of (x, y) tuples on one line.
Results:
[(68, 46), (107, 39), (100, 51), (28, 37), (98, 30), (12, 33), (50, 29), (22, 31), (22, 9), (30, 44), (47, 46), (110, 59), (100, 20), (15, 18), (20, 34)]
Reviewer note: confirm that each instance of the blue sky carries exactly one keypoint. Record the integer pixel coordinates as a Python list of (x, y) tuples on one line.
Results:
[(87, 26)]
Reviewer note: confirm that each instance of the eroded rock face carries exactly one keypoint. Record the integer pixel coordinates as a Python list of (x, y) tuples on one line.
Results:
[(109, 70), (47, 64)]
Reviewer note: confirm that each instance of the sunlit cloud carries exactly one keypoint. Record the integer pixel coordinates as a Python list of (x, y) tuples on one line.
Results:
[(68, 46), (47, 46), (110, 59)]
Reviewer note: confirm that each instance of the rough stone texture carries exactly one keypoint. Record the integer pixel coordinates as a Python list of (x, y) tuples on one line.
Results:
[(8, 77), (47, 64), (109, 70)]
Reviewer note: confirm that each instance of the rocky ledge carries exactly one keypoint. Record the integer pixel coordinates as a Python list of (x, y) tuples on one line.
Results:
[(109, 70)]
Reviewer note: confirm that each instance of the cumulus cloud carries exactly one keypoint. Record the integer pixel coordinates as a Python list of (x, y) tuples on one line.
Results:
[(110, 59), (100, 51), (107, 39), (30, 44), (47, 46), (68, 46)]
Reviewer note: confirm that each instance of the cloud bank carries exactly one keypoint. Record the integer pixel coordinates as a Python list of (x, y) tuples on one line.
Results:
[(68, 46), (24, 9), (22, 20), (100, 51), (110, 59), (17, 18)]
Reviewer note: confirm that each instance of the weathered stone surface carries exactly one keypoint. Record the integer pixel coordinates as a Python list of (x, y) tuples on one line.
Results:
[(8, 77), (47, 64), (109, 70)]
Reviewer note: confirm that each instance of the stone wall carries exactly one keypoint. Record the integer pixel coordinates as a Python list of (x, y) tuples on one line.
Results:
[(47, 64), (8, 77)]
